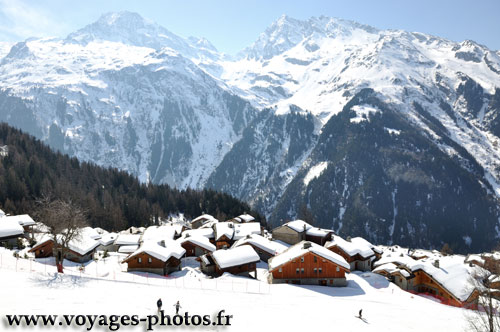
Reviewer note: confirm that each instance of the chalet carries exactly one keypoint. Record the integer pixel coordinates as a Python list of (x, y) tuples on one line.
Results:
[(223, 234), (107, 242), (201, 220), (474, 260), (492, 262), (444, 278), (264, 247), (154, 258), (10, 231), (127, 243), (24, 220), (244, 218), (195, 245), (238, 261), (43, 248), (80, 249), (308, 263), (298, 230), (357, 254)]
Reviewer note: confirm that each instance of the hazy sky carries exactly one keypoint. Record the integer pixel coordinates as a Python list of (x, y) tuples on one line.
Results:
[(232, 25)]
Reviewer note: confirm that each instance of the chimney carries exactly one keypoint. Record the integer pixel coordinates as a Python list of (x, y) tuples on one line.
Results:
[(307, 245), (436, 263), (348, 239), (162, 243), (249, 236)]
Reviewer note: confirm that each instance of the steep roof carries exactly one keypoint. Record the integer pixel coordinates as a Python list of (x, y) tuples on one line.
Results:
[(299, 249), (261, 242), (159, 252), (10, 227), (224, 229), (226, 258), (351, 248), (198, 240)]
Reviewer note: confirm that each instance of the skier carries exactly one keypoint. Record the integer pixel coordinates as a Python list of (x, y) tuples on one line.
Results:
[(177, 307), (159, 304), (360, 311)]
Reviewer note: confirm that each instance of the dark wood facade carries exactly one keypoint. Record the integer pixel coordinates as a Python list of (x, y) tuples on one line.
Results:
[(144, 262), (223, 242), (236, 270), (321, 240), (357, 262), (44, 249), (310, 269), (193, 250)]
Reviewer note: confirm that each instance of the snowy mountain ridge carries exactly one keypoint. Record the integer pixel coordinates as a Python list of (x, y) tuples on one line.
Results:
[(265, 125)]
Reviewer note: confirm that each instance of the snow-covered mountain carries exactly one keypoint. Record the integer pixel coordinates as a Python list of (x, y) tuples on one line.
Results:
[(386, 134)]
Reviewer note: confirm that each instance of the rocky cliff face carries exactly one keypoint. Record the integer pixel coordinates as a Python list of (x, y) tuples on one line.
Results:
[(385, 134)]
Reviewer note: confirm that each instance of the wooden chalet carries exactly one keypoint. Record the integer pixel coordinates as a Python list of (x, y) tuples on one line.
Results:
[(43, 248), (307, 263), (153, 258), (223, 234), (298, 230), (238, 261), (10, 231), (265, 248), (201, 220), (196, 246), (358, 255)]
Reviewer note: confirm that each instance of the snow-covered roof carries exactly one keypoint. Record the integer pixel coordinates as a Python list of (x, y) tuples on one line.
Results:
[(42, 238), (272, 247), (224, 228), (363, 242), (316, 231), (242, 230), (127, 239), (2, 213), (82, 244), (158, 233), (350, 248), (22, 219), (10, 227), (246, 218), (203, 217), (388, 267), (90, 232), (209, 224), (127, 249), (299, 249), (206, 232), (476, 258), (108, 238), (298, 225), (198, 240), (226, 258), (159, 252)]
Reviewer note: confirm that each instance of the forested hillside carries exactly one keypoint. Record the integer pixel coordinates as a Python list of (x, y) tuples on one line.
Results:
[(114, 199)]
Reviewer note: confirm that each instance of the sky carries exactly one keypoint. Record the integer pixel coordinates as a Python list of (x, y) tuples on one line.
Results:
[(231, 25)]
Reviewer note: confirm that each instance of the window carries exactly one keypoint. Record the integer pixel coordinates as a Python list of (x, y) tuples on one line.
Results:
[(320, 270), (149, 260), (302, 259), (315, 269), (302, 270), (338, 269), (297, 270), (139, 260), (315, 259), (280, 270), (41, 251)]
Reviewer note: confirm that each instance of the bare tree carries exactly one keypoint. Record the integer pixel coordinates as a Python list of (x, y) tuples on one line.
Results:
[(486, 315), (64, 220)]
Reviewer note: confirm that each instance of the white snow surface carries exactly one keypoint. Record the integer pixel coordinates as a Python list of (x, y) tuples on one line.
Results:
[(224, 229), (315, 172), (159, 233), (298, 250), (226, 258), (352, 248), (298, 225), (199, 240), (242, 230), (206, 232), (272, 247), (10, 227), (127, 239), (22, 219)]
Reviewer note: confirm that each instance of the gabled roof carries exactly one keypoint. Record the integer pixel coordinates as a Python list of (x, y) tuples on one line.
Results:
[(206, 232), (272, 247), (198, 240), (227, 258), (10, 227), (242, 230), (82, 244), (245, 218), (159, 252), (350, 248), (224, 229), (127, 239), (203, 217), (22, 219), (108, 238), (159, 233), (299, 250), (298, 225)]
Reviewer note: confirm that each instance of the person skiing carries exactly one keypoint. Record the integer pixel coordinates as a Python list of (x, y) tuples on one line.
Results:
[(159, 304), (360, 311)]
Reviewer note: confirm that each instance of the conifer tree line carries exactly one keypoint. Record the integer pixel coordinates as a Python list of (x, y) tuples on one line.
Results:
[(113, 199)]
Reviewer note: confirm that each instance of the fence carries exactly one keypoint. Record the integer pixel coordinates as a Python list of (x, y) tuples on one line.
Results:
[(100, 271)]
